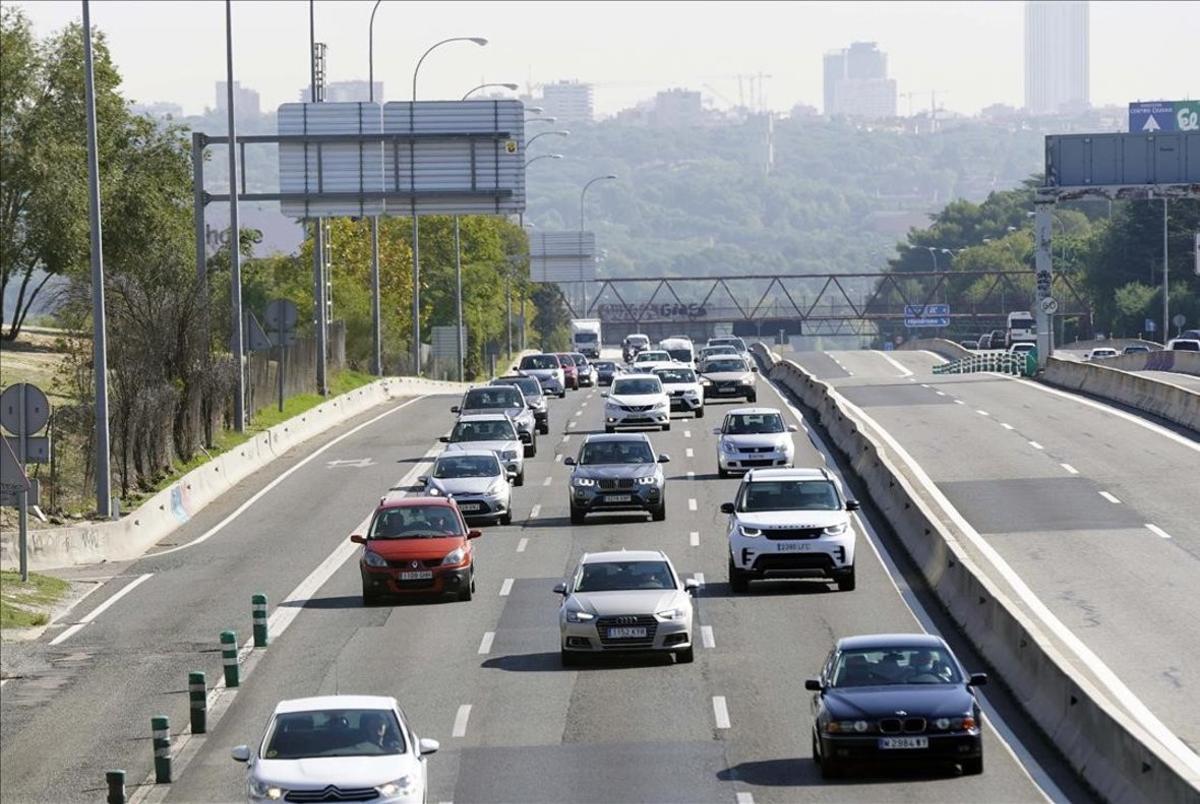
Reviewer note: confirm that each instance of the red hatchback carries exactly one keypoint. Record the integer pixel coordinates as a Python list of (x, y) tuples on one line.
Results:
[(570, 371), (418, 546)]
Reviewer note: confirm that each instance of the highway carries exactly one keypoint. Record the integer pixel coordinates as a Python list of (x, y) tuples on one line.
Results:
[(483, 677), (1094, 508)]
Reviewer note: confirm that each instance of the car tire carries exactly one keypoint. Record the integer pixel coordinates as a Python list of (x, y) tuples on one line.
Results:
[(577, 517), (531, 447), (562, 394), (846, 582), (700, 412), (659, 513), (544, 427), (666, 427), (829, 769), (468, 591), (568, 658), (506, 518), (738, 580), (685, 656), (520, 481), (722, 472), (972, 767), (609, 428)]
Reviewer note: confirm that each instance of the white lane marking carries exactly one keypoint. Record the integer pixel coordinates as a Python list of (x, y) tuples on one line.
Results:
[(1025, 760), (1070, 469), (1036, 445), (579, 412), (694, 538), (485, 644), (506, 587), (692, 504), (687, 433), (1007, 426), (699, 576), (460, 721), (521, 545), (720, 712), (1110, 498), (103, 607), (217, 528), (940, 393), (744, 798), (983, 413), (533, 512), (573, 424), (1157, 531), (959, 402), (688, 453), (706, 636), (558, 457), (926, 385), (691, 475), (584, 405), (547, 481), (566, 438), (903, 371)]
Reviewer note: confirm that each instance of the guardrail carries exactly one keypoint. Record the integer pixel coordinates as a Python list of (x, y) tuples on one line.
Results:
[(1018, 365)]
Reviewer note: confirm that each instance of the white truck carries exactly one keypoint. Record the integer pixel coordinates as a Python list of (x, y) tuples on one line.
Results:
[(1022, 328), (585, 337)]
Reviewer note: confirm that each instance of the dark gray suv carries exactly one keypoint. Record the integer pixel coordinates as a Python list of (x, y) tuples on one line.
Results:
[(617, 472)]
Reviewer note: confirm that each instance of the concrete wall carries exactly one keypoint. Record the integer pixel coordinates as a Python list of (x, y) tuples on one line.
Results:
[(1120, 759), (1171, 402), (1160, 360)]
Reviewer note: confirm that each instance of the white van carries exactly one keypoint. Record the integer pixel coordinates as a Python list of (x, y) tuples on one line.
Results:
[(680, 349), (1022, 328)]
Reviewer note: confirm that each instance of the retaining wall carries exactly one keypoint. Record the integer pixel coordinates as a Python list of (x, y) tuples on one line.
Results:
[(1174, 403)]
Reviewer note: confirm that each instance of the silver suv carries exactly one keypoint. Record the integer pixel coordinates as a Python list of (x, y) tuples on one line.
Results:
[(506, 399)]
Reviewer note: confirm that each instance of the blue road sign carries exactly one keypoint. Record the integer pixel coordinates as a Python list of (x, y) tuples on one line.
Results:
[(926, 310), (1150, 116), (1150, 325), (926, 322)]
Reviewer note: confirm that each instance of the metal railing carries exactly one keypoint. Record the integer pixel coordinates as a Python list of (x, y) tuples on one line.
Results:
[(1016, 365)]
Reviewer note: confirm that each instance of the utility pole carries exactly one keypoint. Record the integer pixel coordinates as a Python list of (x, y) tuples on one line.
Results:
[(1166, 324), (235, 251)]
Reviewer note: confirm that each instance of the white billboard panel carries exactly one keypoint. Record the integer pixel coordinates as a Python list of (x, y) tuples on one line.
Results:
[(330, 167)]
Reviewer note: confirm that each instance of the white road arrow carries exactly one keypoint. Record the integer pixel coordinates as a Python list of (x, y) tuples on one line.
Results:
[(1151, 124), (358, 463)]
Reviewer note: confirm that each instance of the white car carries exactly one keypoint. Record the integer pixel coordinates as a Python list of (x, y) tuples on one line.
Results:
[(636, 400), (684, 387), (475, 480), (494, 432), (1101, 353), (753, 437), (790, 523), (650, 359), (626, 600), (1183, 345), (1022, 348), (338, 748)]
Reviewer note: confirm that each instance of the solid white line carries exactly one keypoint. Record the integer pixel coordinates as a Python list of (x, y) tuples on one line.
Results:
[(903, 371), (694, 538), (103, 607), (744, 798), (533, 512), (688, 453), (521, 545), (485, 644), (983, 413), (1157, 531), (506, 587), (1007, 426), (217, 528), (1110, 498), (1036, 445), (692, 504), (547, 481), (706, 636), (691, 475), (460, 721), (1070, 469), (720, 711), (687, 433)]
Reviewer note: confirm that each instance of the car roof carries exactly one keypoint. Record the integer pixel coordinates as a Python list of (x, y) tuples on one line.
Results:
[(890, 641), (623, 555), (646, 375), (484, 417), (797, 473), (467, 453), (754, 411), (389, 503), (616, 437), (335, 702)]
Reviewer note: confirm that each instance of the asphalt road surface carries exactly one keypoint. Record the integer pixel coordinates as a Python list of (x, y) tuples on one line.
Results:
[(483, 677)]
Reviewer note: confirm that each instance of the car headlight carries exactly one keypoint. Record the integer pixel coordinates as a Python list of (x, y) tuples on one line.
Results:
[(400, 787), (497, 488), (648, 480), (836, 530), (434, 491), (671, 614), (747, 380), (583, 482), (848, 726), (746, 530), (373, 559), (509, 455), (728, 446), (706, 383), (662, 405), (454, 557), (259, 789), (576, 616)]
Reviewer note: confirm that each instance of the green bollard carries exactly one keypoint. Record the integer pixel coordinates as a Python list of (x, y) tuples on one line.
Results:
[(258, 604), (198, 697), (161, 728), (229, 657), (116, 786)]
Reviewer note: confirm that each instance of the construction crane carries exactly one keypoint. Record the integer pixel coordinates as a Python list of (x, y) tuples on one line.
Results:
[(933, 93), (755, 82)]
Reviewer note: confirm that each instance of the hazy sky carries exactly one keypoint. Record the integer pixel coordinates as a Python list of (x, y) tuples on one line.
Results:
[(970, 52)]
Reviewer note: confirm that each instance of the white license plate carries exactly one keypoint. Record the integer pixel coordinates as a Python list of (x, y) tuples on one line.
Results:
[(468, 507), (416, 575), (726, 390), (792, 547), (618, 498), (638, 632), (891, 743)]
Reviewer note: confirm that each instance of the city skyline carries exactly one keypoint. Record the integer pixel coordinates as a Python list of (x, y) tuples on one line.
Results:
[(659, 50)]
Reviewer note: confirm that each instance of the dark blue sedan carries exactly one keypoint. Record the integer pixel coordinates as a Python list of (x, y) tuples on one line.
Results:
[(895, 698), (605, 371)]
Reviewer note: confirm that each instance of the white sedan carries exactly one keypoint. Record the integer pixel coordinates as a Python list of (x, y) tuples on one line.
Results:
[(360, 747)]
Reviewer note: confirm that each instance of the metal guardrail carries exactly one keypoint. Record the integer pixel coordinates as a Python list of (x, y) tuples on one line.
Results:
[(1018, 365)]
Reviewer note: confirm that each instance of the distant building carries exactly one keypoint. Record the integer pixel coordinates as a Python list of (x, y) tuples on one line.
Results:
[(245, 101), (856, 83), (570, 102), (1057, 66), (802, 111), (678, 107), (157, 109), (346, 92)]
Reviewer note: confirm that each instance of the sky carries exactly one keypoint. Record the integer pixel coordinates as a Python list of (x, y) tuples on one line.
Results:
[(970, 53)]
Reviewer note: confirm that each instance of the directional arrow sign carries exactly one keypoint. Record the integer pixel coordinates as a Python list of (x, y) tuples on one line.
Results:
[(358, 463), (1151, 124)]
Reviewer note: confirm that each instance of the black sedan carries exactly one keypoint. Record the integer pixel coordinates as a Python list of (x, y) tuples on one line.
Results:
[(895, 698), (605, 371)]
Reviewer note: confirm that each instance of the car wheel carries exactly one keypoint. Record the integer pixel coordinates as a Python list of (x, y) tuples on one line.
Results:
[(700, 412), (468, 591), (829, 770), (531, 447), (666, 427), (845, 581), (544, 427), (609, 428), (738, 582), (577, 517), (659, 514), (506, 518), (972, 767), (685, 656), (568, 658), (562, 394)]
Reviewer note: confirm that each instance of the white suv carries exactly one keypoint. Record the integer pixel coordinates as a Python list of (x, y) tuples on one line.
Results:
[(790, 523), (753, 437), (636, 400), (684, 387)]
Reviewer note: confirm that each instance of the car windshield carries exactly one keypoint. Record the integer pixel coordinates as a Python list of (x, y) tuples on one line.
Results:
[(888, 666), (676, 375), (724, 365), (751, 423), (623, 576), (415, 522), (650, 357), (605, 365), (466, 466), (586, 337), (682, 355), (637, 386), (614, 452), (493, 397), (334, 733), (529, 386), (789, 495), (489, 430), (539, 362), (580, 360), (567, 360)]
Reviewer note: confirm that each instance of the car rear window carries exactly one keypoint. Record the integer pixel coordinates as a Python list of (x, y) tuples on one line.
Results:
[(540, 362), (529, 386), (483, 431), (650, 357), (449, 466), (334, 733), (676, 375), (493, 397)]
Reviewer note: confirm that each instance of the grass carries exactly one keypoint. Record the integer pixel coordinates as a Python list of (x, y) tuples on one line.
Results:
[(33, 358), (27, 604)]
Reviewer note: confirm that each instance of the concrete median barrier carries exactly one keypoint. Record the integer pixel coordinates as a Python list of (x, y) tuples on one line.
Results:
[(1173, 403), (939, 346), (1118, 756)]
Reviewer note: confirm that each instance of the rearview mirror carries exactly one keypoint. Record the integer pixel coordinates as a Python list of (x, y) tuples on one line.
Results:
[(793, 428), (358, 539), (977, 680), (568, 461), (560, 588), (726, 508), (754, 369), (664, 458), (426, 747), (716, 431), (853, 505), (474, 534), (241, 753), (813, 684), (454, 409), (444, 439), (604, 393), (423, 479)]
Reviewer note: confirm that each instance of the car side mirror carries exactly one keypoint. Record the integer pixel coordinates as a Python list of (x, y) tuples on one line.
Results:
[(853, 505), (664, 458), (454, 408), (726, 508), (241, 753), (604, 393), (423, 479), (754, 369), (358, 538), (813, 684), (691, 586), (793, 428), (444, 439), (716, 431), (977, 680), (474, 534), (560, 588), (427, 747), (568, 461)]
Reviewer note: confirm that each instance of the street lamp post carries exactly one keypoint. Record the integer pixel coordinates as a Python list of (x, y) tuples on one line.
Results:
[(511, 87), (376, 315), (559, 133), (582, 195), (543, 156)]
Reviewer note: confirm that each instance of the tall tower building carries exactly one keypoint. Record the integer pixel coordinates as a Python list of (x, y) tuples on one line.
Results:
[(856, 83), (570, 102), (1057, 64)]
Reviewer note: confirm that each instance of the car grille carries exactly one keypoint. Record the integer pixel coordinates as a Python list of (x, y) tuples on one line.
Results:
[(748, 463), (788, 534), (755, 450), (647, 620), (727, 385), (332, 793), (894, 725), (406, 564), (636, 408), (614, 484), (798, 561)]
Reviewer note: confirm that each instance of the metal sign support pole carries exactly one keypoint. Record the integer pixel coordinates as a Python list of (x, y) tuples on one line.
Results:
[(416, 293), (23, 499), (319, 299), (1044, 277), (1166, 325), (282, 358), (198, 202), (376, 315), (235, 251), (458, 303)]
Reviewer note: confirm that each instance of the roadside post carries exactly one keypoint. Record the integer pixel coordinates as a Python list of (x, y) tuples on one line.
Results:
[(115, 779), (258, 605), (198, 700), (160, 726), (229, 658), (281, 316), (24, 411)]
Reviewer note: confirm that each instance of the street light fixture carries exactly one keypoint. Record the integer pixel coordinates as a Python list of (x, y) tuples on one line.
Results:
[(582, 195), (562, 132), (543, 156), (512, 87), (529, 120)]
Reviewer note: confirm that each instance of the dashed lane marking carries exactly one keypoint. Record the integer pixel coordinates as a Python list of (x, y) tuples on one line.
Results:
[(1036, 445), (689, 453), (1157, 531), (691, 475), (983, 413), (1110, 498), (558, 458), (959, 402), (1070, 469), (506, 587), (1007, 426), (547, 481), (533, 512), (692, 504), (706, 636), (694, 538), (744, 798), (940, 393), (460, 721), (566, 438), (485, 644), (573, 424), (699, 576), (720, 711), (687, 433), (521, 545)]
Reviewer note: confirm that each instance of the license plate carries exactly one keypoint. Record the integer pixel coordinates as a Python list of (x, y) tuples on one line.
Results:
[(627, 633), (726, 390), (792, 547), (618, 498), (468, 507), (416, 575), (890, 743)]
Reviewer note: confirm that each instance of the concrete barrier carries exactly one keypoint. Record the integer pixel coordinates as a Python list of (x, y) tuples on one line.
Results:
[(1118, 758), (1115, 343), (133, 534), (1173, 403), (940, 347), (1160, 360)]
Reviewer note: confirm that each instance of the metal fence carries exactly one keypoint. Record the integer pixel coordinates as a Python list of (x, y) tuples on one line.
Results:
[(300, 368)]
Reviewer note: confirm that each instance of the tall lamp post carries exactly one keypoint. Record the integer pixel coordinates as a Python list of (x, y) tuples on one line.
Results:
[(376, 317), (559, 133), (416, 237), (473, 90), (582, 195)]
